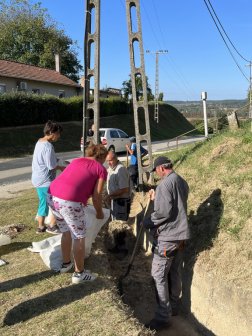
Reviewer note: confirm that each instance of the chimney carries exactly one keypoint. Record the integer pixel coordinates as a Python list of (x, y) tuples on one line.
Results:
[(58, 63), (82, 80)]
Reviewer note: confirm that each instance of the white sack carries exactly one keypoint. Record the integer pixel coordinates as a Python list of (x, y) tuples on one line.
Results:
[(50, 248), (4, 239)]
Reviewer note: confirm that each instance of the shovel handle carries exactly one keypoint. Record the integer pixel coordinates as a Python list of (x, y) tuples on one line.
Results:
[(139, 234)]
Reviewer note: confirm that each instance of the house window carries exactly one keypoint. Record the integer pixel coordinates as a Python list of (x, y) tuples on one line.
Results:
[(61, 93), (2, 88), (35, 91)]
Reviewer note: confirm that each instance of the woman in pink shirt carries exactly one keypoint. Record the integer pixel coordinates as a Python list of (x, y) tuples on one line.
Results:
[(67, 197)]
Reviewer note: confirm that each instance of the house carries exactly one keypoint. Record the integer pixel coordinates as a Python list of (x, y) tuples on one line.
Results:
[(109, 92), (30, 78)]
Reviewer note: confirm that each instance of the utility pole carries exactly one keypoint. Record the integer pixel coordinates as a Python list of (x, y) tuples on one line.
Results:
[(88, 72), (156, 112), (250, 88), (133, 37), (204, 97)]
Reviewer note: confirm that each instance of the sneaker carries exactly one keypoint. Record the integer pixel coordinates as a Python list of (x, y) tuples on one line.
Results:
[(53, 230), (66, 268), (83, 277), (41, 230), (118, 253), (157, 324)]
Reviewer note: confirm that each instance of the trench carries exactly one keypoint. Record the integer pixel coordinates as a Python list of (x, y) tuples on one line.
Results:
[(138, 287)]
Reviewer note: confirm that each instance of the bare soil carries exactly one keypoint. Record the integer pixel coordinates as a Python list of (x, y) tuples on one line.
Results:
[(138, 287)]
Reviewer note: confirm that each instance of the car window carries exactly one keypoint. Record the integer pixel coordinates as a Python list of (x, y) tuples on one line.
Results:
[(114, 134), (122, 134), (102, 134)]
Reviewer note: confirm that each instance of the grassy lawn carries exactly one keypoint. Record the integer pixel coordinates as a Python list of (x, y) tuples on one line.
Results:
[(37, 301), (18, 142), (219, 174)]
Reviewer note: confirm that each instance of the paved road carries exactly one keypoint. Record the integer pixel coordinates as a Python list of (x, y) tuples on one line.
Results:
[(19, 170)]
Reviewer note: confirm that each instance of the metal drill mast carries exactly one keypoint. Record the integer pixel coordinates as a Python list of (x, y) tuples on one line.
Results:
[(156, 112)]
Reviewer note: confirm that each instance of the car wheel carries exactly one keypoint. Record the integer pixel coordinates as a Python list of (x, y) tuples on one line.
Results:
[(111, 149)]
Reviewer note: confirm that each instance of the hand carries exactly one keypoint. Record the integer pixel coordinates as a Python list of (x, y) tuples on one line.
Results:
[(151, 194), (127, 146), (100, 215), (141, 224), (107, 198)]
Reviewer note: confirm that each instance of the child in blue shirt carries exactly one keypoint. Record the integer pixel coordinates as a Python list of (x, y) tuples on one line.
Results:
[(133, 168)]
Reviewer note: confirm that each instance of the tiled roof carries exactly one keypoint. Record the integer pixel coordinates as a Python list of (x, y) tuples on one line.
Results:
[(31, 72)]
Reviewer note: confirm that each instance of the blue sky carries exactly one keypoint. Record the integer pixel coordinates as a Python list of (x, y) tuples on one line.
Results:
[(189, 34)]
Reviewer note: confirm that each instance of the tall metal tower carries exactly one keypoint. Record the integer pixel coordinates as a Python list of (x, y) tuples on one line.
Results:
[(156, 113)]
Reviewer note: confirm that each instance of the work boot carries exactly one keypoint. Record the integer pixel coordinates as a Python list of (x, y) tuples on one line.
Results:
[(118, 253), (157, 324)]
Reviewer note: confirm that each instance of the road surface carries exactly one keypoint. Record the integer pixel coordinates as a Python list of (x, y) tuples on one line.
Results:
[(19, 170)]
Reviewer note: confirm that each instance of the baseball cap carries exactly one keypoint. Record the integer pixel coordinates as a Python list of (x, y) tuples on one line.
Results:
[(160, 161), (133, 138)]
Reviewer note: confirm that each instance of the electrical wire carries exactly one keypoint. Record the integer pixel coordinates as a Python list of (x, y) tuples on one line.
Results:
[(188, 86), (226, 42), (160, 47), (226, 33)]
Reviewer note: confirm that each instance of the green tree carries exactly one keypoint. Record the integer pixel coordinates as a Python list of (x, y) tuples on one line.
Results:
[(127, 88), (161, 96), (29, 35)]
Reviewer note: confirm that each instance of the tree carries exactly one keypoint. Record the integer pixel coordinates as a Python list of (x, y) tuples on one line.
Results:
[(29, 35), (161, 96), (127, 88)]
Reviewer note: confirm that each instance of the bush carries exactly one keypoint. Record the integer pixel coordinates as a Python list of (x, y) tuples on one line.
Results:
[(20, 109)]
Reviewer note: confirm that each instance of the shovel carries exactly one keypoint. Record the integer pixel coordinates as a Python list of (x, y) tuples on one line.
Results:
[(133, 254)]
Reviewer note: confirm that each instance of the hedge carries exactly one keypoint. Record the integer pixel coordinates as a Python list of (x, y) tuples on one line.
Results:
[(20, 109)]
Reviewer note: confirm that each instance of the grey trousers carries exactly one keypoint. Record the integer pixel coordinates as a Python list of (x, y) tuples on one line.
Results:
[(166, 272)]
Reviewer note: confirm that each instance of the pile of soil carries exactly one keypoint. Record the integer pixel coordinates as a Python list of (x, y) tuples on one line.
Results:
[(12, 230)]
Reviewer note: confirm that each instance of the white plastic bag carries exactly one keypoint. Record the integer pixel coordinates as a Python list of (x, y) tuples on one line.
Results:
[(4, 239), (50, 248)]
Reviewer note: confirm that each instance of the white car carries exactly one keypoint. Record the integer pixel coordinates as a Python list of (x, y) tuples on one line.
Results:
[(113, 139)]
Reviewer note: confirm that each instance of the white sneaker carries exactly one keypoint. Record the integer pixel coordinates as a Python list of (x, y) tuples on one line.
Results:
[(85, 276), (67, 269)]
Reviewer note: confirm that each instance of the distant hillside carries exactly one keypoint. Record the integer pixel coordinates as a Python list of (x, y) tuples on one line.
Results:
[(195, 108)]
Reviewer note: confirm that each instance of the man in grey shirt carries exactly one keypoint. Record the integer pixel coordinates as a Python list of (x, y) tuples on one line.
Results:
[(168, 225), (118, 187)]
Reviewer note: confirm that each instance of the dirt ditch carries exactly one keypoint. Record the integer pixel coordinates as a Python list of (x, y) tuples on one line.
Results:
[(138, 287)]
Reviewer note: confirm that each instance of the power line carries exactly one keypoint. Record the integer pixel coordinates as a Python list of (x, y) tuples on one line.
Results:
[(226, 33), (226, 43), (159, 46), (166, 48), (189, 86)]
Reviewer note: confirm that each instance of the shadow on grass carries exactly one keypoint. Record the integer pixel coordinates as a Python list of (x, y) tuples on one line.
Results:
[(204, 228), (9, 285), (48, 302), (13, 247)]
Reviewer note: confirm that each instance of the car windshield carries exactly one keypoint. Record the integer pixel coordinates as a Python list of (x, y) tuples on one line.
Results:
[(102, 133)]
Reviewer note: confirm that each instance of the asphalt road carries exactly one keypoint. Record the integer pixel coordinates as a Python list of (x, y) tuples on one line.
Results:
[(19, 170)]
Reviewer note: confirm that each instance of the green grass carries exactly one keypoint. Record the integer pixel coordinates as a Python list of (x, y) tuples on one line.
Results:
[(219, 174), (37, 301), (21, 141)]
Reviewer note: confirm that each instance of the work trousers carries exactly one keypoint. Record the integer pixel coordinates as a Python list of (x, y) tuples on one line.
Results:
[(166, 272), (134, 180)]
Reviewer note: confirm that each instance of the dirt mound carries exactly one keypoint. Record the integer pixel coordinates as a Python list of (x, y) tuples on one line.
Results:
[(223, 148), (12, 230)]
